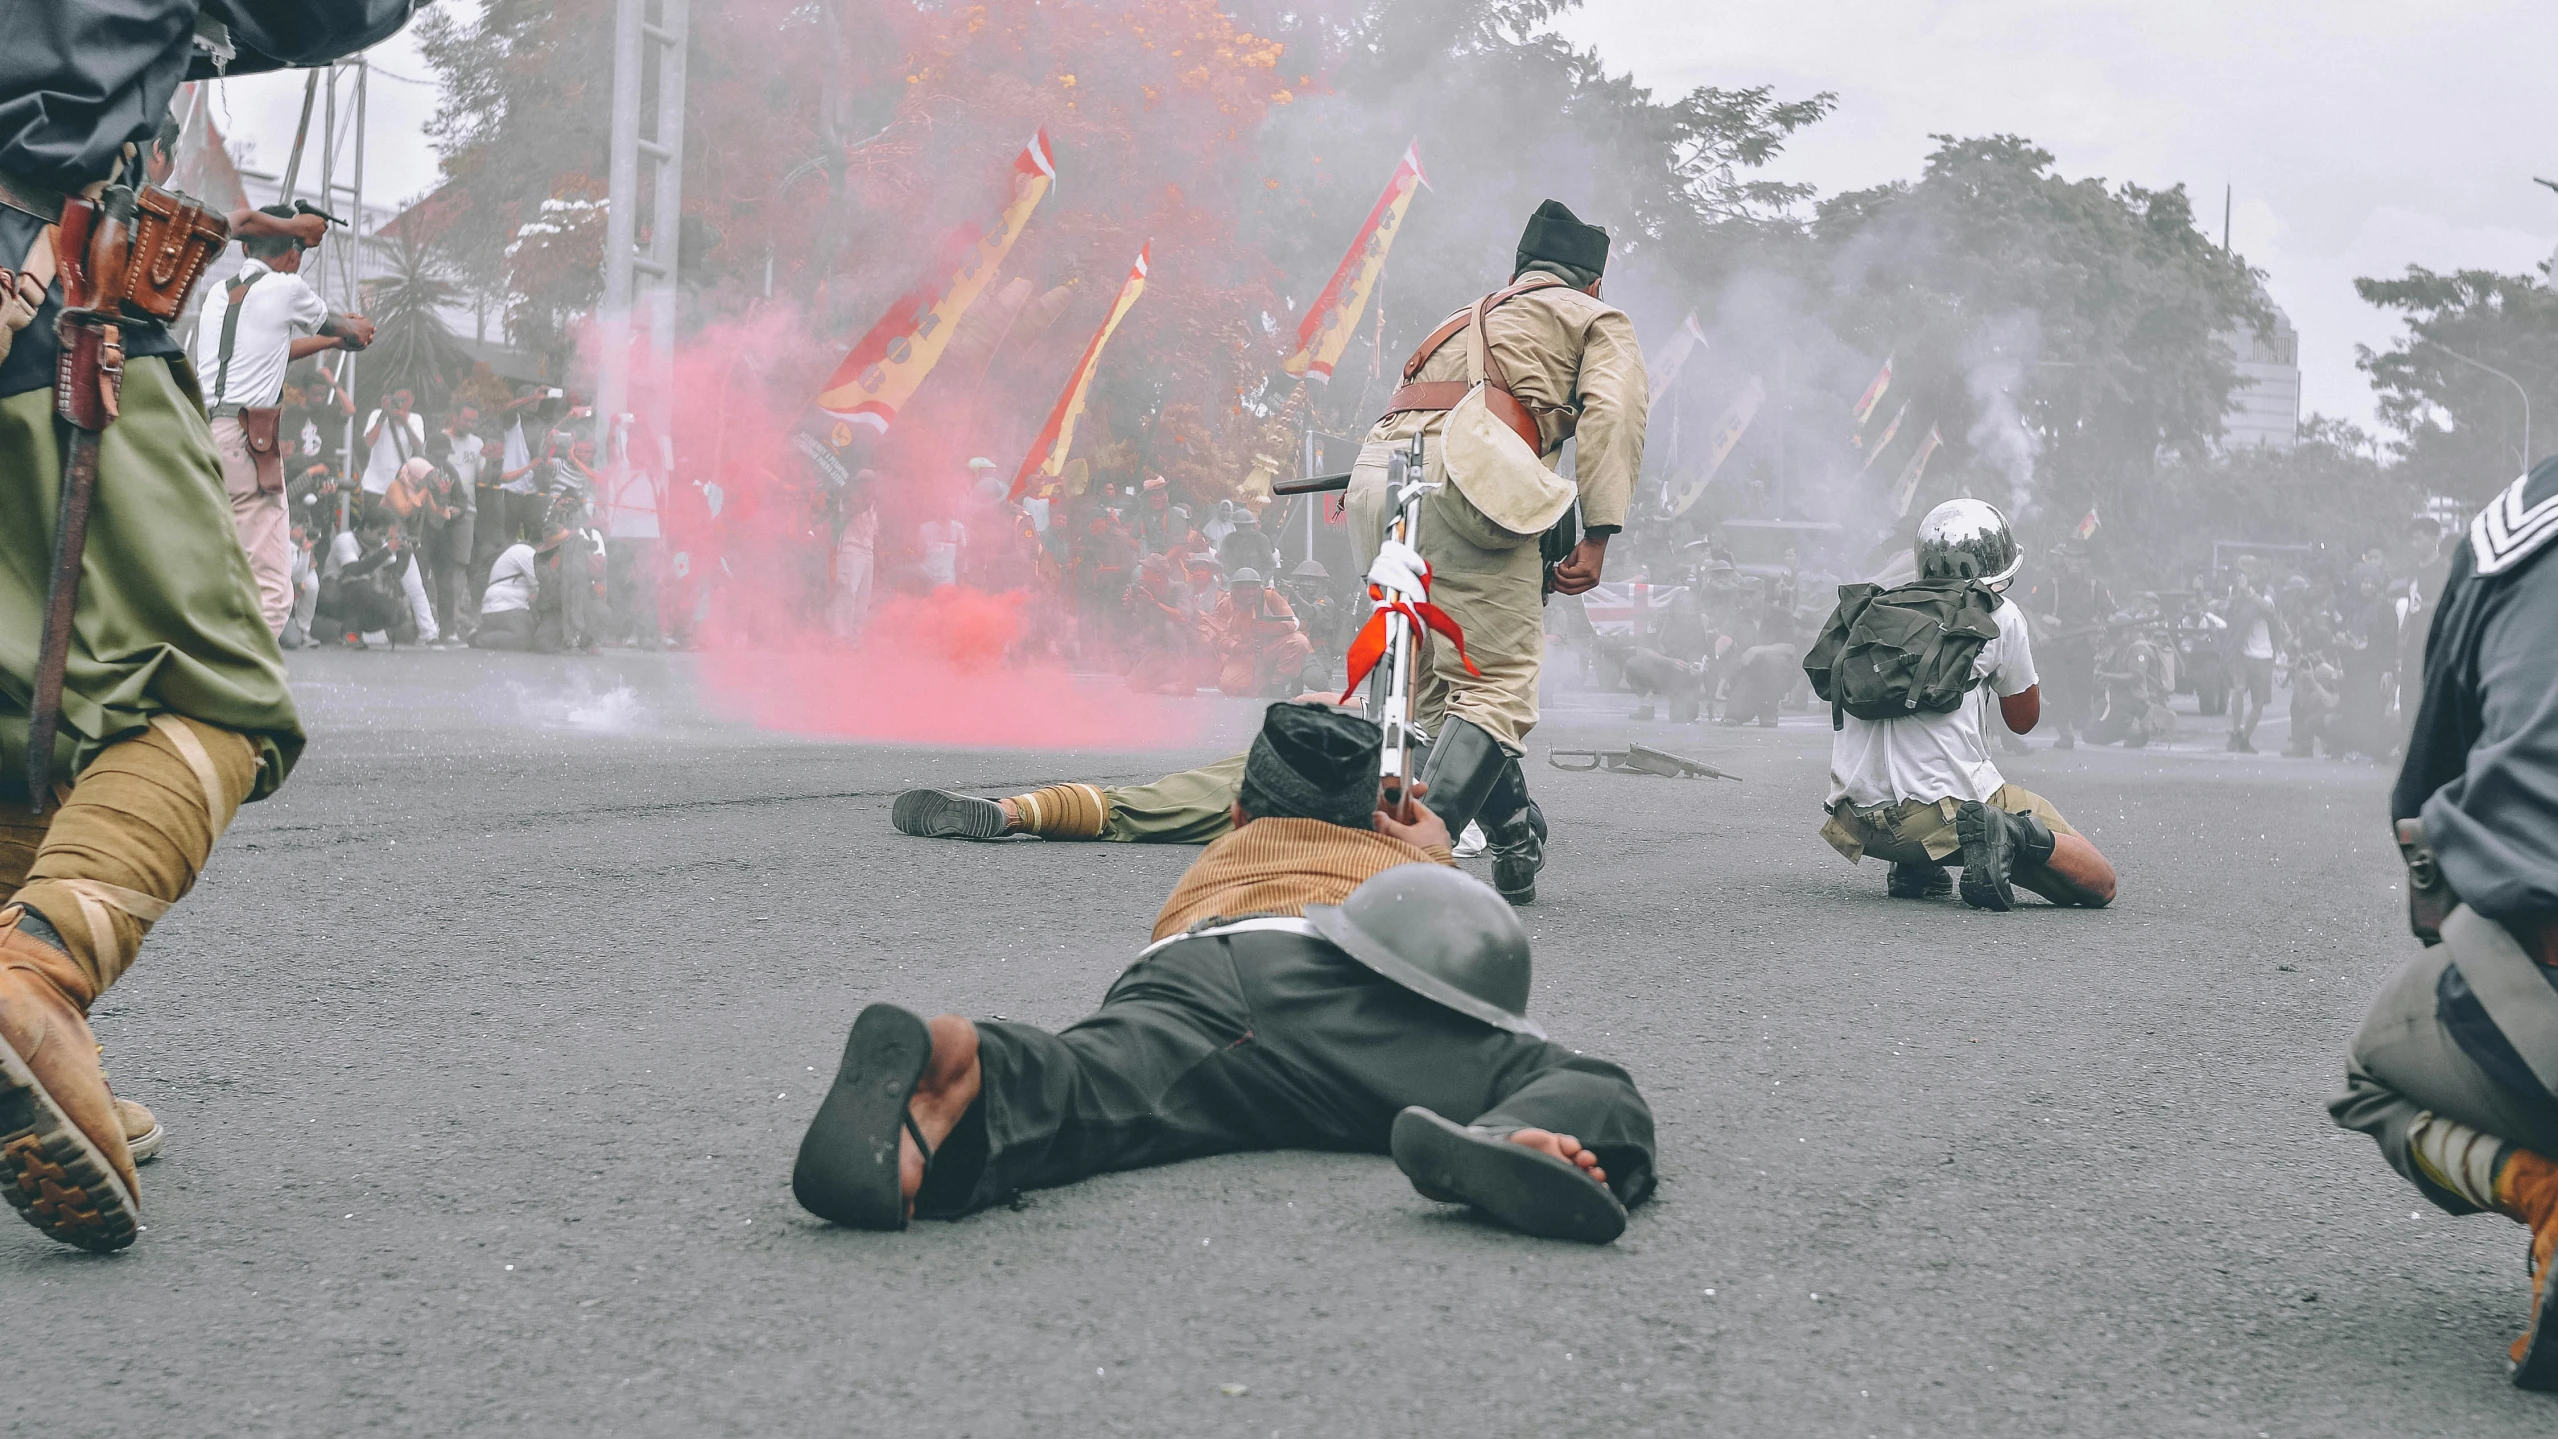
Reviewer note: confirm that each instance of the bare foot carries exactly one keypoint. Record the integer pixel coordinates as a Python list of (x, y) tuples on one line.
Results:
[(1561, 1146), (949, 1085)]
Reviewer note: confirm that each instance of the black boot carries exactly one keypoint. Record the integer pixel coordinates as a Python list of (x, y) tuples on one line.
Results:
[(1465, 764), (1997, 847), (1918, 881), (1516, 830)]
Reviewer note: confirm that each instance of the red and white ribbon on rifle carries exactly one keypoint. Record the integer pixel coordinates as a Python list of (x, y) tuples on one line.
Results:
[(1399, 584)]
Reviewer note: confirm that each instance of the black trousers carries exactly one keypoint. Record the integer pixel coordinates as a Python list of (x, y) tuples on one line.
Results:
[(1261, 1040)]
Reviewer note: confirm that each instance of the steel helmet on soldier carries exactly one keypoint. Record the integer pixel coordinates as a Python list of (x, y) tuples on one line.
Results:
[(1967, 540), (1442, 934)]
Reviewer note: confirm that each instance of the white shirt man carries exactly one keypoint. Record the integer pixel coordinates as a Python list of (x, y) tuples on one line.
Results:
[(396, 434), (278, 319), (466, 448), (1931, 757)]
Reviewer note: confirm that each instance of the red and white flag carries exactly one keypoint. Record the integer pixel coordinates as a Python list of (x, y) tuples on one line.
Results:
[(2087, 527), (1334, 316), (1866, 402), (1047, 457), (1884, 443)]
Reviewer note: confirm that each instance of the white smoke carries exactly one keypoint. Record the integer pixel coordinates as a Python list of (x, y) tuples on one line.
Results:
[(1997, 359)]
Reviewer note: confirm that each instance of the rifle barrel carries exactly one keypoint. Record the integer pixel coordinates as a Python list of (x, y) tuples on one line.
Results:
[(1311, 484)]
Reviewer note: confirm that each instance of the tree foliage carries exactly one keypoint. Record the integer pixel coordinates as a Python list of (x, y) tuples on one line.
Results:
[(2065, 331), (2460, 429)]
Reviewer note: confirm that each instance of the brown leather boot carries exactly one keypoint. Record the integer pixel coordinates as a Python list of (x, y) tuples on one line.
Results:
[(63, 1160), (2527, 1190)]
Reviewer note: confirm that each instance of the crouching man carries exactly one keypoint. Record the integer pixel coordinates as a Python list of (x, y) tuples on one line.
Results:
[(2455, 1069), (1320, 979), (1909, 673)]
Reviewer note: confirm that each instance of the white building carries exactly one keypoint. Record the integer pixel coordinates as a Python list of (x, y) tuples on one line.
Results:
[(2265, 407)]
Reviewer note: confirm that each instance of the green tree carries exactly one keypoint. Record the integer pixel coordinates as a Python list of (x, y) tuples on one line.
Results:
[(412, 350), (2459, 428), (2062, 333)]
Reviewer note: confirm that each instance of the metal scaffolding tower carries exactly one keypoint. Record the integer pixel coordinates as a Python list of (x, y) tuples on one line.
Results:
[(643, 49)]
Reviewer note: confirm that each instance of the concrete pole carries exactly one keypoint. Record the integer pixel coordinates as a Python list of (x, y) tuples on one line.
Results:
[(666, 237), (612, 382)]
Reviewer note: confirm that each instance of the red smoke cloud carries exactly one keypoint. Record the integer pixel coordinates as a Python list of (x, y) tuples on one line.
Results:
[(750, 541)]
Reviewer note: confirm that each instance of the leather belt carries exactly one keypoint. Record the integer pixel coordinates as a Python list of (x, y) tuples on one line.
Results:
[(1437, 396), (30, 198)]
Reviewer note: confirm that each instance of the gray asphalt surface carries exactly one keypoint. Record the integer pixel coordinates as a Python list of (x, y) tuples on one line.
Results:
[(485, 1046)]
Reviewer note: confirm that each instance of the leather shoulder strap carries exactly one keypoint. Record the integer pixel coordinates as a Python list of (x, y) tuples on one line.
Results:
[(233, 296), (1460, 320)]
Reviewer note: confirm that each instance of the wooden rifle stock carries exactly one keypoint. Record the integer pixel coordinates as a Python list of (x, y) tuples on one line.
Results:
[(1311, 484)]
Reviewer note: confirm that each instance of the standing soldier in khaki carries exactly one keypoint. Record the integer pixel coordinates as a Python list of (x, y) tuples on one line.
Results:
[(1497, 389), (172, 708)]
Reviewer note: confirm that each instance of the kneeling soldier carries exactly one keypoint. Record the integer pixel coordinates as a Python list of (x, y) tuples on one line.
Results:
[(2455, 1070), (1908, 673), (1319, 980)]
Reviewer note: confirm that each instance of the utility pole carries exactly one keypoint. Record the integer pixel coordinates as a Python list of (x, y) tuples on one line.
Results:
[(640, 46)]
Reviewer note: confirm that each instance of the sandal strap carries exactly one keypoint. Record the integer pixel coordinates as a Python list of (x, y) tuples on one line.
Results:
[(917, 1131)]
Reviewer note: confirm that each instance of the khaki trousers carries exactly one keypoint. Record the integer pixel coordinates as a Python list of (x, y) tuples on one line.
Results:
[(1496, 595), (1922, 831), (266, 528), (1186, 808)]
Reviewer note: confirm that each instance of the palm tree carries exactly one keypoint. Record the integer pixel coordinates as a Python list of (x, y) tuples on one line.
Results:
[(412, 350)]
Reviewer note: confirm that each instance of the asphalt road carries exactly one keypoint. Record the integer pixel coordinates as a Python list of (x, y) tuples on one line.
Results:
[(485, 1046)]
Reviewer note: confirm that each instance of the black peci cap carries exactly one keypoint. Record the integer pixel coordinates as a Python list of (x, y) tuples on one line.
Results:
[(1555, 233)]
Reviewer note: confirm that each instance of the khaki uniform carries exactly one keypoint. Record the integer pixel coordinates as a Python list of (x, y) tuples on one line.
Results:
[(1561, 349), (1922, 831)]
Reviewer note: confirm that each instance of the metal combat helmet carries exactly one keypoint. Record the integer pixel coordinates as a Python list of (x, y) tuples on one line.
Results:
[(1442, 934), (1967, 540)]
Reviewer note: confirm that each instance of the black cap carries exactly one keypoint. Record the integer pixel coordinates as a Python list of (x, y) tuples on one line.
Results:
[(1555, 233), (1312, 761)]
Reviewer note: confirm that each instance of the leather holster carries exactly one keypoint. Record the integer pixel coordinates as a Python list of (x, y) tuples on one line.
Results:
[(263, 427)]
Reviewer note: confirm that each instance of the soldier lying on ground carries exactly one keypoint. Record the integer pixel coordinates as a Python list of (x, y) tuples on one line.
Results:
[(2455, 1069), (1192, 807), (1320, 979), (1920, 789)]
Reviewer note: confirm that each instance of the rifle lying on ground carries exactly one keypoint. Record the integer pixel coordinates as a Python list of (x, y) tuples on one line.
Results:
[(1638, 759)]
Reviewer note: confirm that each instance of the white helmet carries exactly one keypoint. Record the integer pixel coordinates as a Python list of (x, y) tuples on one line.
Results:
[(1967, 540)]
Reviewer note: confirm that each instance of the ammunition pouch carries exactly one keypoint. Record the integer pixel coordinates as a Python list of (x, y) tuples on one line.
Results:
[(2429, 896), (136, 253), (88, 376)]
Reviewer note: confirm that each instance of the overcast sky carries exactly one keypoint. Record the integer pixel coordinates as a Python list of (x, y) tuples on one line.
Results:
[(2360, 135)]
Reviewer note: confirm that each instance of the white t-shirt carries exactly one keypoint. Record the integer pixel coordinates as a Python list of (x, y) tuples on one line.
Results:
[(2260, 641), (1935, 756), (467, 448), (511, 581), (941, 542), (278, 309), (517, 455), (631, 513), (389, 452)]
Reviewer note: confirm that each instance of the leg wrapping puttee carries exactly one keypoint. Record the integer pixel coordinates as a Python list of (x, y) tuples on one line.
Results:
[(2457, 1157), (133, 835), (1062, 811)]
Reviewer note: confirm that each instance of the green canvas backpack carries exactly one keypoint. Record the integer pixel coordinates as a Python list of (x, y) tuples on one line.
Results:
[(1889, 654)]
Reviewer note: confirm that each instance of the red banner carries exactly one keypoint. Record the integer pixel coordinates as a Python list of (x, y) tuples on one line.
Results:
[(1047, 457), (1334, 316)]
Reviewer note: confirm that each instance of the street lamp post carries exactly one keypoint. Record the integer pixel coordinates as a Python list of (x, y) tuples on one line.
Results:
[(2508, 379)]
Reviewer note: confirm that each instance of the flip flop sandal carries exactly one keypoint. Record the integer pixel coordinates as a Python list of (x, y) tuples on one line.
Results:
[(847, 1169), (939, 814), (1531, 1191)]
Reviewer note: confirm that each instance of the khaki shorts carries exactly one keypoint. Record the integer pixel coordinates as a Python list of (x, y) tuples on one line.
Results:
[(1922, 831)]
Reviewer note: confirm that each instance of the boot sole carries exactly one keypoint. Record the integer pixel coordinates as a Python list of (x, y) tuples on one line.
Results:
[(146, 1148), (1983, 885), (1534, 1193), (939, 814), (54, 1176), (847, 1167), (2538, 1367)]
